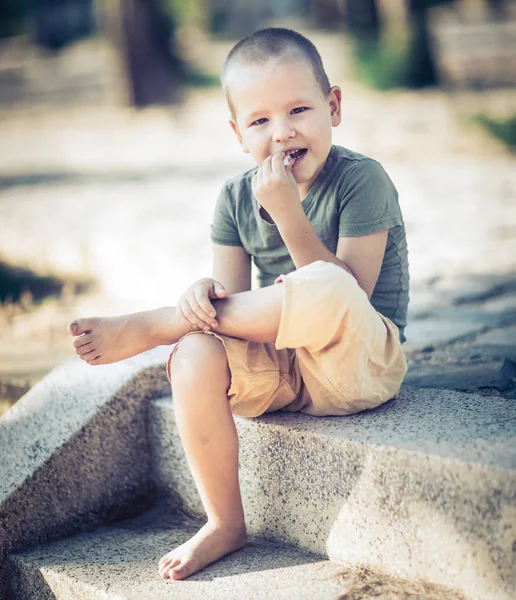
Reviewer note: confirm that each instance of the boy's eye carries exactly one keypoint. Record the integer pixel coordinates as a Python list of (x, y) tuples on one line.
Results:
[(299, 109), (258, 122)]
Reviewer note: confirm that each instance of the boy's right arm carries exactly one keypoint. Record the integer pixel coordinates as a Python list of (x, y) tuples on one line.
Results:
[(231, 274)]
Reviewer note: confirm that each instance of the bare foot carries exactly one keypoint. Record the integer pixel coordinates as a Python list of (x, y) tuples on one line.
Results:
[(101, 341), (208, 545)]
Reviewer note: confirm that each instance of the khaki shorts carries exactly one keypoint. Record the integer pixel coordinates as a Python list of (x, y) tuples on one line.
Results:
[(334, 353)]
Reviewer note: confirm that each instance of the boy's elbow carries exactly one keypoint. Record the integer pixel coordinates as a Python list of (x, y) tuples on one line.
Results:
[(368, 289), (348, 270)]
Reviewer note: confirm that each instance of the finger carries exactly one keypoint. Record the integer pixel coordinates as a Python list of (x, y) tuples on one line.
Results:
[(206, 306), (288, 167), (267, 167), (205, 309), (191, 317), (219, 289), (259, 177), (258, 184), (200, 313), (277, 166)]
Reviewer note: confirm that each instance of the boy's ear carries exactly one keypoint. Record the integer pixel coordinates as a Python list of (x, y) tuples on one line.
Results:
[(335, 100), (234, 127)]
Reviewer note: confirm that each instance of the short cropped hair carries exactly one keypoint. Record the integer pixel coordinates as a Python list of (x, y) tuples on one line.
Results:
[(274, 42)]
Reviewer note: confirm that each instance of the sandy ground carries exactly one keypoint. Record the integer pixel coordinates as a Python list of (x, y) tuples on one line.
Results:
[(127, 197)]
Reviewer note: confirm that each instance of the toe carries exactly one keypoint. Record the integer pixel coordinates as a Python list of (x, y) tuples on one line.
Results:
[(81, 326), (82, 340), (166, 564), (179, 572), (82, 350), (95, 361), (88, 353), (164, 561), (166, 558)]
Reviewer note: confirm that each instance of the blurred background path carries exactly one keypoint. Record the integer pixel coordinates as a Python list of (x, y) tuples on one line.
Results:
[(116, 203)]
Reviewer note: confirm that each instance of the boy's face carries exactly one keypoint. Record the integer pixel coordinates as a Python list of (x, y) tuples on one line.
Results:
[(280, 106)]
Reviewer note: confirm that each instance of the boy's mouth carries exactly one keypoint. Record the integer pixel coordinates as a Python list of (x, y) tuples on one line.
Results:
[(295, 155)]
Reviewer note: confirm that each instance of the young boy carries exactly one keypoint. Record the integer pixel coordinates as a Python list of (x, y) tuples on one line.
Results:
[(323, 225)]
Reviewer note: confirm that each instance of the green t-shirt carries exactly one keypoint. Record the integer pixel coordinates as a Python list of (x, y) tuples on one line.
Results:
[(352, 196)]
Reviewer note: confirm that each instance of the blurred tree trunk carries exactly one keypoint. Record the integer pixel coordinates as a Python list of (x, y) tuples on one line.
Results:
[(60, 22), (497, 9), (328, 14), (363, 22), (143, 37), (421, 69)]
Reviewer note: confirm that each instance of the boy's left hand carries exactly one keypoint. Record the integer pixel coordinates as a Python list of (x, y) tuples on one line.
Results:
[(274, 186)]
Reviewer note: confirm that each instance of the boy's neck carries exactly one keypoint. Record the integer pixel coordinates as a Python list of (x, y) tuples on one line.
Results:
[(303, 192)]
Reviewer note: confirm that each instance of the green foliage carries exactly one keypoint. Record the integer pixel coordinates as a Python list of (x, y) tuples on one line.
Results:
[(195, 78), (184, 11), (504, 130), (187, 12), (382, 67), (178, 9), (404, 61)]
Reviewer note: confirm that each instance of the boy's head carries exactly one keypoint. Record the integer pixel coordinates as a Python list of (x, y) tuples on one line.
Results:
[(280, 98), (269, 44)]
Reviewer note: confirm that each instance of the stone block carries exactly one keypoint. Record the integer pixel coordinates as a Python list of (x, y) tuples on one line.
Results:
[(420, 487), (76, 451)]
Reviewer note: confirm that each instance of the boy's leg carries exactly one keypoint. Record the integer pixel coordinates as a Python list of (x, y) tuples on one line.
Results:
[(253, 315), (200, 381)]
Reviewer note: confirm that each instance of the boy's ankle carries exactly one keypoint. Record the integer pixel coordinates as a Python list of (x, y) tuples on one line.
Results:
[(236, 526), (161, 326)]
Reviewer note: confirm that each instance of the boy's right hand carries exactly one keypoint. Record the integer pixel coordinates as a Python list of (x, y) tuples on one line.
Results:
[(195, 303)]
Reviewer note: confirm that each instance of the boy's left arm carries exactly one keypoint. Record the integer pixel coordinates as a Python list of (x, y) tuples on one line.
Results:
[(360, 256)]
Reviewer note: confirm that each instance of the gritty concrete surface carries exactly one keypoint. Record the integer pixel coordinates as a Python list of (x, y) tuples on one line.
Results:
[(423, 486), (75, 450), (119, 562), (462, 335)]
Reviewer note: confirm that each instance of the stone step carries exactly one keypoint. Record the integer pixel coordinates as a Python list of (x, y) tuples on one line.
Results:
[(119, 562), (423, 487)]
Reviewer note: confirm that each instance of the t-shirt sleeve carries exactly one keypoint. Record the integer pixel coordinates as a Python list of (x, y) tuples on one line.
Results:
[(224, 228), (368, 201)]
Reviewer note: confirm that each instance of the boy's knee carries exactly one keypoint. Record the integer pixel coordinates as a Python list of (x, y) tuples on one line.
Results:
[(324, 302), (197, 356)]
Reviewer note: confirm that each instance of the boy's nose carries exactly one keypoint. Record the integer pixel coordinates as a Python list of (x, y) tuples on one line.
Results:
[(283, 131)]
